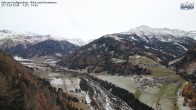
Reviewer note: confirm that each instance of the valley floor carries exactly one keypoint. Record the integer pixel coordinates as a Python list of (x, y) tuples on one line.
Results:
[(69, 83), (148, 89), (164, 97)]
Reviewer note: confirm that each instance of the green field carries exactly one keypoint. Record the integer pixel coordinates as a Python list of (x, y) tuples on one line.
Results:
[(157, 69), (164, 98)]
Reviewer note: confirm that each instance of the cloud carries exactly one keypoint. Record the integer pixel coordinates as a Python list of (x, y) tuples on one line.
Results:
[(89, 19)]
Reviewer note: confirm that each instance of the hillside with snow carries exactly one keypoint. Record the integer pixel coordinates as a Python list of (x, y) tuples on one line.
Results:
[(76, 41), (20, 44), (159, 44), (162, 34), (33, 38)]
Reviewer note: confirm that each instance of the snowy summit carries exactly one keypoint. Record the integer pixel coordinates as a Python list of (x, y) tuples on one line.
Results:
[(159, 32)]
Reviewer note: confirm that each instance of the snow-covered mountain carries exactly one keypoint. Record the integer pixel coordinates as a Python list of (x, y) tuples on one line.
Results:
[(162, 34), (160, 44), (76, 41), (194, 32), (17, 43), (7, 34), (33, 38), (26, 37)]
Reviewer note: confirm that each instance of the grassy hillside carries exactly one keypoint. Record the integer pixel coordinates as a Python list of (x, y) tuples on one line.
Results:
[(157, 69), (164, 96)]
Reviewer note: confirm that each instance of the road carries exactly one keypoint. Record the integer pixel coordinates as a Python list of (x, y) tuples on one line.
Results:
[(105, 100)]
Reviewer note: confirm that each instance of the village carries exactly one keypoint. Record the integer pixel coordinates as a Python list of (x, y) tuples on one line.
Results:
[(144, 81)]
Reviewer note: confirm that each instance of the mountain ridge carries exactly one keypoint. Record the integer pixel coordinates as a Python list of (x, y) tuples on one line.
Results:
[(17, 44), (36, 38), (100, 52), (148, 31), (49, 48)]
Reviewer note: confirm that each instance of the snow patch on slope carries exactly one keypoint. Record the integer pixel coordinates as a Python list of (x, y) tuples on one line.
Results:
[(181, 46), (113, 36), (133, 38), (146, 47), (21, 59), (77, 41), (6, 34), (175, 61), (56, 81)]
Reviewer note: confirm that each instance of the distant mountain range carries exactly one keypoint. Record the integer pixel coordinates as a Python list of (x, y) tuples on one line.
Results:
[(30, 44), (116, 54), (159, 44), (33, 38), (49, 48)]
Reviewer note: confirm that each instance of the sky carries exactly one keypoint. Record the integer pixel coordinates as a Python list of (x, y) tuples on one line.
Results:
[(90, 19)]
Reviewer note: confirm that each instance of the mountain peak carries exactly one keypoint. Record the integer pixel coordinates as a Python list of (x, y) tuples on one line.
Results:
[(143, 27), (28, 34), (150, 32), (77, 41), (6, 31)]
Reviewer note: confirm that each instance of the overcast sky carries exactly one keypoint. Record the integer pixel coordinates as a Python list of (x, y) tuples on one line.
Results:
[(89, 19)]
